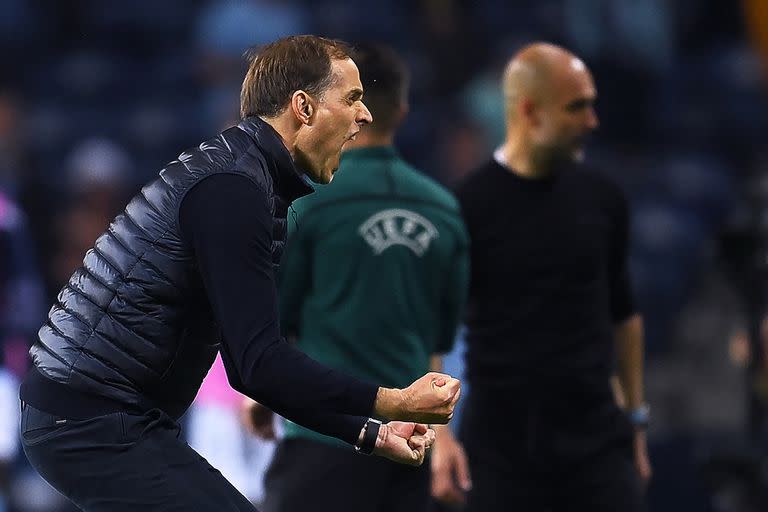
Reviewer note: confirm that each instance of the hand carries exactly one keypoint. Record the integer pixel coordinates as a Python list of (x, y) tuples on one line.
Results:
[(257, 419), (430, 399), (450, 469), (642, 462), (406, 443)]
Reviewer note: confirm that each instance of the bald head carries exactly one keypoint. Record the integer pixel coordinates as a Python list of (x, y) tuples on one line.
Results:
[(549, 96), (535, 69)]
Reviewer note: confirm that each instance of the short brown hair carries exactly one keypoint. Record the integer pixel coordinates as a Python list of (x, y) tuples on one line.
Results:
[(385, 80), (285, 66)]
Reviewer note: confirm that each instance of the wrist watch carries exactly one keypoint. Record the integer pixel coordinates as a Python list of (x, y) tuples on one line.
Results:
[(370, 434), (640, 416)]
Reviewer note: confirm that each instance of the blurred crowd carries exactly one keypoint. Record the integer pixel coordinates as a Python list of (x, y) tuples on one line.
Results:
[(97, 95)]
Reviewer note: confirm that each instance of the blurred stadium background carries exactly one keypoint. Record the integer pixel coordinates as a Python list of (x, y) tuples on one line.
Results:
[(96, 95)]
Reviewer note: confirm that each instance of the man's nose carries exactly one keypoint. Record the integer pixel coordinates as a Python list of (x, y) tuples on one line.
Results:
[(592, 121), (364, 115)]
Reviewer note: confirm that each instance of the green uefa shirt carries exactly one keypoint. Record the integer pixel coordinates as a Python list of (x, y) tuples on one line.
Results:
[(375, 272)]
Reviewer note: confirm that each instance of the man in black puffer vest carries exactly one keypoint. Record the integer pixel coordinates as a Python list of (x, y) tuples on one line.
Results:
[(188, 269)]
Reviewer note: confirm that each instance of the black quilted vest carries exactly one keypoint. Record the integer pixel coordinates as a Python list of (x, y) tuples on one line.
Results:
[(133, 324)]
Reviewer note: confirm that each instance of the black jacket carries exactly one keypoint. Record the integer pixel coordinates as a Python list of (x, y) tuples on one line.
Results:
[(133, 324)]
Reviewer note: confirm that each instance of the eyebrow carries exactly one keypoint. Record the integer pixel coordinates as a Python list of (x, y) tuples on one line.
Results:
[(581, 102), (355, 93)]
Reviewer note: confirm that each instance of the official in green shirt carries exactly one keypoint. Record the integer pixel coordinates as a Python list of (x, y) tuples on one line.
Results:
[(375, 270), (372, 281)]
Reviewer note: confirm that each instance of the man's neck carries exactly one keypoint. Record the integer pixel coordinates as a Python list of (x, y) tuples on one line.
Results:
[(285, 126), (518, 155)]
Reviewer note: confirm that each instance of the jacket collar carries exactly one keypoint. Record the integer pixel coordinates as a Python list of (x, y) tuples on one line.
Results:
[(290, 184)]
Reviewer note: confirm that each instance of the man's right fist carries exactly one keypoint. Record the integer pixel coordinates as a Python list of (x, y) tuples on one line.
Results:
[(405, 443), (430, 399)]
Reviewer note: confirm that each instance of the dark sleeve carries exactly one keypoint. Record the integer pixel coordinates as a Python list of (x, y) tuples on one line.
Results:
[(622, 302), (455, 295), (226, 221)]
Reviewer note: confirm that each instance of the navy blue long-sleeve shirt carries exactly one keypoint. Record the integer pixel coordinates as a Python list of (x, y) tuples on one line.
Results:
[(226, 221)]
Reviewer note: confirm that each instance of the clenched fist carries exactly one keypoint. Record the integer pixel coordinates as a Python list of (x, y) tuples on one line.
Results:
[(430, 399), (406, 443)]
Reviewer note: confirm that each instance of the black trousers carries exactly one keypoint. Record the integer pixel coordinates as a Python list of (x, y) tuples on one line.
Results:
[(540, 459), (124, 462), (319, 477)]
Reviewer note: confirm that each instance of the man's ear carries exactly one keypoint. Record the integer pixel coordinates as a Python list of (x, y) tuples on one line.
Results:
[(526, 109), (303, 106)]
